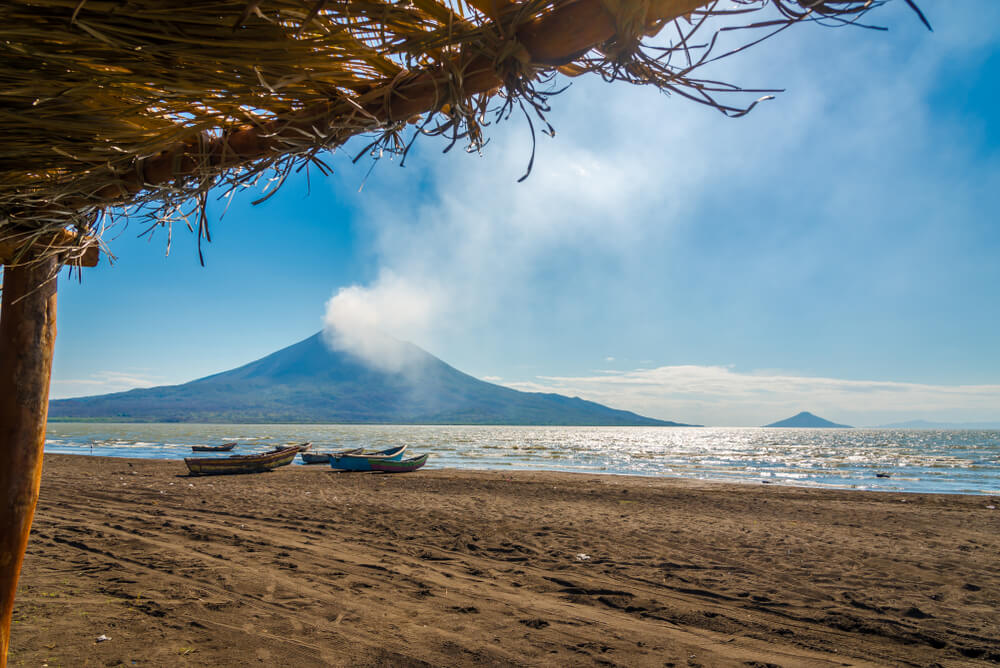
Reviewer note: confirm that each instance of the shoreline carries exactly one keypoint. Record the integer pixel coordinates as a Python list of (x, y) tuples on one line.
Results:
[(921, 462), (777, 482), (306, 567)]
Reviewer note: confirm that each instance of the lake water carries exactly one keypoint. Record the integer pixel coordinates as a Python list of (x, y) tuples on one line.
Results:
[(953, 461)]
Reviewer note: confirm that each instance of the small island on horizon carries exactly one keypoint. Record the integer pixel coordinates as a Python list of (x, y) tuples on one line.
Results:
[(806, 420)]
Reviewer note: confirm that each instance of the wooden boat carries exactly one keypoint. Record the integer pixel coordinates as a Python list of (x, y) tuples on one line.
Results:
[(305, 446), (225, 447), (324, 457), (232, 464), (400, 466), (359, 461), (362, 462), (395, 452)]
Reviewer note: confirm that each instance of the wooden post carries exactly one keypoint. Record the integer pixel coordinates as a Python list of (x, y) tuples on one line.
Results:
[(27, 338)]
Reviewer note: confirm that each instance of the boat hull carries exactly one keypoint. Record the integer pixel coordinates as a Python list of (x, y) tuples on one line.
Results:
[(236, 464), (401, 466), (362, 462), (225, 447), (324, 457)]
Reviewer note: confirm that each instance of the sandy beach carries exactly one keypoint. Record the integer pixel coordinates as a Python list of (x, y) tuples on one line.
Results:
[(307, 567)]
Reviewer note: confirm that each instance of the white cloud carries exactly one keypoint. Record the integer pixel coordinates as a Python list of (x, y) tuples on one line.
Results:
[(102, 382), (627, 167), (720, 396)]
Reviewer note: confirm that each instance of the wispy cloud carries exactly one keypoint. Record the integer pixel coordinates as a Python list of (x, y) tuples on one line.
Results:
[(717, 395), (102, 382)]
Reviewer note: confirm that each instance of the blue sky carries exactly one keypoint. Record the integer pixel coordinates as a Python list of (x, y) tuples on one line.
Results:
[(833, 251)]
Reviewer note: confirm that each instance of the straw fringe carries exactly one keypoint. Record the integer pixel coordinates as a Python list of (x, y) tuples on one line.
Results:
[(112, 109)]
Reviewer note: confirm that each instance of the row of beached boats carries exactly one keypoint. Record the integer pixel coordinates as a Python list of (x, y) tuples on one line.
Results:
[(386, 461)]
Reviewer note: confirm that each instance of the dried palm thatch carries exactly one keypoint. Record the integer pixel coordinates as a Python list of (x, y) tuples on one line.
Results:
[(144, 106)]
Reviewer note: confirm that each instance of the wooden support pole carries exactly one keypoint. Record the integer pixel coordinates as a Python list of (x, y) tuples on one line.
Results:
[(21, 247), (27, 339)]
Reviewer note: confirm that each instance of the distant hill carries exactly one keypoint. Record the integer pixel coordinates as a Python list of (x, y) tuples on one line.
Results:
[(806, 419), (924, 424), (310, 383)]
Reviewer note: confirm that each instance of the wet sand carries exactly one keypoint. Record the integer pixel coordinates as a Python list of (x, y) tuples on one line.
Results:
[(307, 567)]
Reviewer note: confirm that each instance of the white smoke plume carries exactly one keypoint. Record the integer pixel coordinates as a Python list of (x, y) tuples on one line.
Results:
[(370, 322), (609, 248)]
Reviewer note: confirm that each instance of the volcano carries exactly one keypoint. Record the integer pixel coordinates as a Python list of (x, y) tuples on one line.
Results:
[(309, 382)]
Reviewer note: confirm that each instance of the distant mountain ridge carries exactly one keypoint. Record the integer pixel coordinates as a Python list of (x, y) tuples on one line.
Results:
[(807, 420), (310, 383), (926, 424)]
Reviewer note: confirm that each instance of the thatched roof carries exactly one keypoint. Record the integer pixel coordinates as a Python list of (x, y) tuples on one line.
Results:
[(149, 104)]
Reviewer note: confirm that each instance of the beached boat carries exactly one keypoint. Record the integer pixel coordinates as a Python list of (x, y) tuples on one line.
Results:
[(324, 457), (362, 462), (305, 446), (395, 452), (232, 464), (225, 447), (400, 466), (359, 461)]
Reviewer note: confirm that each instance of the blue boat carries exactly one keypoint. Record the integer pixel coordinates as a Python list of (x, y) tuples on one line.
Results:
[(324, 457), (364, 462)]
